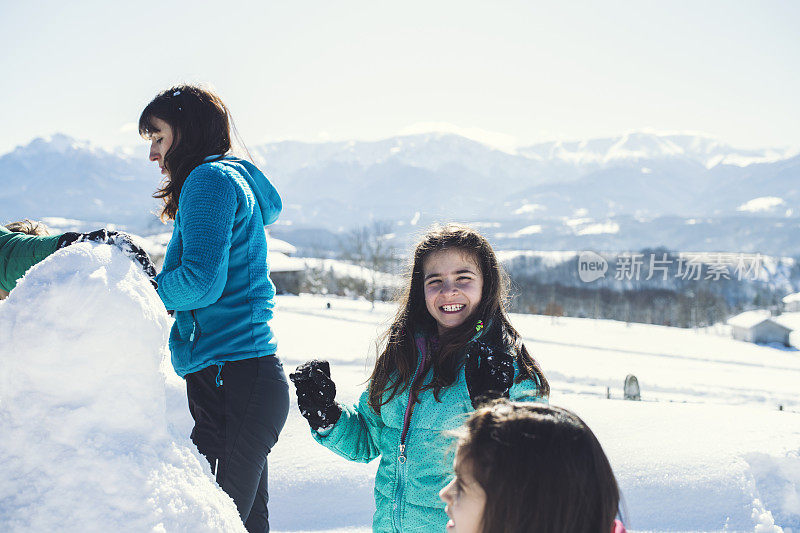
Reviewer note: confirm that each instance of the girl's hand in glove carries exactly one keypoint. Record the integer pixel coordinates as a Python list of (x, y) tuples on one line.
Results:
[(489, 372), (316, 393)]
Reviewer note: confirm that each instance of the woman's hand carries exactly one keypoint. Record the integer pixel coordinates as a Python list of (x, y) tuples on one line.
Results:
[(316, 393), (489, 372), (120, 240)]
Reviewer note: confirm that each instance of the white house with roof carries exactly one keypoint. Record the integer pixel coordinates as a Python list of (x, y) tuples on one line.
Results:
[(759, 326), (791, 321), (791, 303), (285, 271), (279, 256)]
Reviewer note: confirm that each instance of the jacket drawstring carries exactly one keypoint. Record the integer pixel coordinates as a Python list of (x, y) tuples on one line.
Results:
[(219, 374)]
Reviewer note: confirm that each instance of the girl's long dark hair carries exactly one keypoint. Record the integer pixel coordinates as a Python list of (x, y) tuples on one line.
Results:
[(542, 469), (396, 364), (201, 127)]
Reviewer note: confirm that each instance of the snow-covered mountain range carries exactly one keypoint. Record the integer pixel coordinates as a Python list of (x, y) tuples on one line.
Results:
[(646, 144), (62, 177), (683, 191)]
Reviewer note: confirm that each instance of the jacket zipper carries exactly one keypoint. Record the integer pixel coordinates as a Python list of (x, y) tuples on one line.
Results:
[(401, 456), (195, 336)]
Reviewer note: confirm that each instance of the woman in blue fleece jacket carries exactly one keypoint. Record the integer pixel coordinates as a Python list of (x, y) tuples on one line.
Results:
[(216, 280)]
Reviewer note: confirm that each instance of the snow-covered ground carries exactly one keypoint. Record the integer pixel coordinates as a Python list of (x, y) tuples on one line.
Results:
[(706, 450), (89, 422)]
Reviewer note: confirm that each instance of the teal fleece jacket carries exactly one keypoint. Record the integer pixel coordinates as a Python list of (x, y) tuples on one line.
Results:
[(407, 491), (215, 275)]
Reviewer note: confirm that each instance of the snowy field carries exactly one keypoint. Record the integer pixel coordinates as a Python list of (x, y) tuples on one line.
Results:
[(706, 450), (92, 439)]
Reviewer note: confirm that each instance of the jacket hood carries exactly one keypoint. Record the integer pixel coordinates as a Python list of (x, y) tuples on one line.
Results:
[(264, 191)]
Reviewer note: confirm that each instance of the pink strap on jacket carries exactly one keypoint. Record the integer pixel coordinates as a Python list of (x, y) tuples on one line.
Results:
[(617, 527)]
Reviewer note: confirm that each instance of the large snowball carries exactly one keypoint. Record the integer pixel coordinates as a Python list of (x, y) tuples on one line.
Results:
[(92, 420)]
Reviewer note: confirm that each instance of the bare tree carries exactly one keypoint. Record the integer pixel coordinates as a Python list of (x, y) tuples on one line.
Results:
[(370, 248)]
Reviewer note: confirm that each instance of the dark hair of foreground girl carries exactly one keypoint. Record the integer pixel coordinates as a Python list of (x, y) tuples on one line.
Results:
[(542, 469)]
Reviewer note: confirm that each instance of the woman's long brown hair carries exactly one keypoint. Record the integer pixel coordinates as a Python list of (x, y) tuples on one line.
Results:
[(395, 366), (201, 127)]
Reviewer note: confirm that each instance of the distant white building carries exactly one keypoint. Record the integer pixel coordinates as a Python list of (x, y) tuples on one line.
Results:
[(791, 303), (284, 271), (277, 245), (791, 321), (279, 256), (759, 327)]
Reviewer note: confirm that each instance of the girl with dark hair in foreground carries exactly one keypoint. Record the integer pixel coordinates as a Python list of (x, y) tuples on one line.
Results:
[(524, 467)]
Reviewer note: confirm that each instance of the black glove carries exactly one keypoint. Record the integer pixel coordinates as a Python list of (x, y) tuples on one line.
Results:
[(316, 393), (120, 240), (489, 372)]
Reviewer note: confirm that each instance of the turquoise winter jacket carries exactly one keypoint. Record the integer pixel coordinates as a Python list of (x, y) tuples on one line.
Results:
[(407, 489), (215, 275)]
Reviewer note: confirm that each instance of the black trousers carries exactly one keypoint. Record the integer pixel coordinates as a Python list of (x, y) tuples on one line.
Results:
[(237, 424)]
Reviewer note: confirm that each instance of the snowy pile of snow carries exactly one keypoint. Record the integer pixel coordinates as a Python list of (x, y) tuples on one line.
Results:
[(93, 430)]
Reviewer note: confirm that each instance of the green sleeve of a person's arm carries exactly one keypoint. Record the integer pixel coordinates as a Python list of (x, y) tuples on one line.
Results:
[(19, 252)]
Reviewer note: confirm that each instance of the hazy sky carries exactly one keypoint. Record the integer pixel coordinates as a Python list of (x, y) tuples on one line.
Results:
[(515, 72)]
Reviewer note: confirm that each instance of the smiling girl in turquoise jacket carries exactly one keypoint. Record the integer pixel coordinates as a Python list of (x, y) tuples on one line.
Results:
[(450, 347)]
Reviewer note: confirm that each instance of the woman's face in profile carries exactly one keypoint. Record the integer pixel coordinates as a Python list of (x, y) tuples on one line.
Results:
[(160, 142)]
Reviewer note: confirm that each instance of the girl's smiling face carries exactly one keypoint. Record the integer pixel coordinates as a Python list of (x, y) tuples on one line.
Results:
[(465, 500), (453, 285)]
